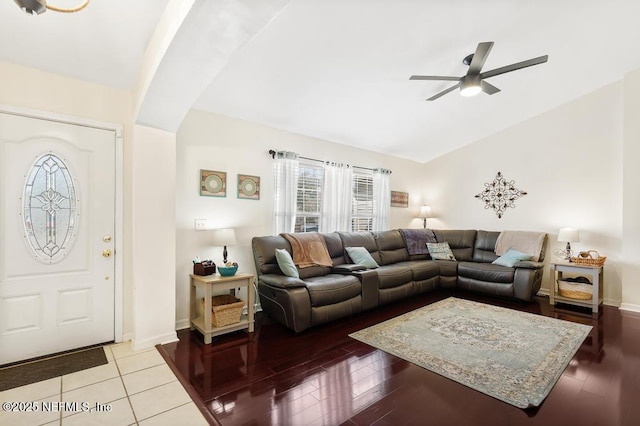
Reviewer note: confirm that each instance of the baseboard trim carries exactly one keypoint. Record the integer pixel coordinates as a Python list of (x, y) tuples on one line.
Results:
[(630, 307), (611, 302), (138, 345), (182, 324)]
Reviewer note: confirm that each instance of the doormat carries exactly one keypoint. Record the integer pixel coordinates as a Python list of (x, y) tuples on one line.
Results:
[(13, 376), (513, 356)]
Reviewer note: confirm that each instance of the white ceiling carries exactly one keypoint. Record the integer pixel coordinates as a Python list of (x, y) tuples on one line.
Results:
[(338, 69)]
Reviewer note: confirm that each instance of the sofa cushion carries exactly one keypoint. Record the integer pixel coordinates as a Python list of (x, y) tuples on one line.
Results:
[(285, 262), (393, 275), (460, 241), (361, 239), (423, 269), (486, 272), (332, 288), (440, 251), (447, 268), (335, 248), (485, 247), (361, 256), (391, 246)]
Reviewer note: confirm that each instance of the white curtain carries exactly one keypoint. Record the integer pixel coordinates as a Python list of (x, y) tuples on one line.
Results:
[(335, 212), (286, 191), (381, 199)]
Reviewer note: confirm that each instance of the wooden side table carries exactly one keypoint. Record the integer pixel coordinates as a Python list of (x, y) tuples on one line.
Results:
[(596, 272), (210, 283)]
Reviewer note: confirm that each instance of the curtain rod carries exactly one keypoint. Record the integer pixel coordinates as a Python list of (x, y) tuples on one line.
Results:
[(273, 155)]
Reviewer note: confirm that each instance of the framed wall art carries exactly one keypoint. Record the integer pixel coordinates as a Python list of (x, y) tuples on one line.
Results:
[(249, 187), (213, 184), (399, 199)]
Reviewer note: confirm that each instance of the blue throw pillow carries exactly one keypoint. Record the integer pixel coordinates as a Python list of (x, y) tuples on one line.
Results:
[(511, 257), (361, 256), (285, 262)]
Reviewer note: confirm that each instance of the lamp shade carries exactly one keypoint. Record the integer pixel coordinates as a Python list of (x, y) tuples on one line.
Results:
[(224, 237), (425, 212), (568, 235)]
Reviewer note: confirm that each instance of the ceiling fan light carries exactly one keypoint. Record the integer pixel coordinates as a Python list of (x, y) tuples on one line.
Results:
[(470, 86), (470, 90)]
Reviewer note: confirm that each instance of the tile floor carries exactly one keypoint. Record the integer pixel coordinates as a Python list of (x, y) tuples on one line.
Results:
[(134, 388)]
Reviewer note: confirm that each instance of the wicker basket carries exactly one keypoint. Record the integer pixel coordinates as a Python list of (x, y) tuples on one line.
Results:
[(587, 258), (225, 310), (574, 290)]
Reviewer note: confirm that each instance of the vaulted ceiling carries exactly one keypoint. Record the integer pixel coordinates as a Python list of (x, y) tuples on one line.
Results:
[(339, 69)]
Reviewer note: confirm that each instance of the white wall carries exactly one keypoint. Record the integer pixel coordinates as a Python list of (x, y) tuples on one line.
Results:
[(568, 160), (631, 191), (154, 247), (212, 142)]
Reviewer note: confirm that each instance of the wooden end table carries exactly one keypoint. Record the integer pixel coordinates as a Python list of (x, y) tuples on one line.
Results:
[(210, 283), (596, 273)]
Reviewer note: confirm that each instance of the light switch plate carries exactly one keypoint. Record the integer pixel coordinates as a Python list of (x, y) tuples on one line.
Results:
[(201, 224)]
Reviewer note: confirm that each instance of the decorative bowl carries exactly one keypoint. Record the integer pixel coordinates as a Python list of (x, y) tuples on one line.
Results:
[(227, 272)]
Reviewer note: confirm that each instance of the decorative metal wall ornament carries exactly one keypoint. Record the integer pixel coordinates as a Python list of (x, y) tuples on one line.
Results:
[(500, 195)]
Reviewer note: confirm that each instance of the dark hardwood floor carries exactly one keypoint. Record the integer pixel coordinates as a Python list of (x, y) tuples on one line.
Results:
[(323, 377)]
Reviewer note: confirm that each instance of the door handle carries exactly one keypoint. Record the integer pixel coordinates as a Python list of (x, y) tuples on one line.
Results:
[(106, 253)]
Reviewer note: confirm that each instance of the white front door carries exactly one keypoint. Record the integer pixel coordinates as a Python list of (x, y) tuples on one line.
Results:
[(57, 269)]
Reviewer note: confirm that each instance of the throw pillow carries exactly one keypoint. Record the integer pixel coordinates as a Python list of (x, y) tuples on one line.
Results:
[(511, 257), (285, 262), (440, 251), (361, 256)]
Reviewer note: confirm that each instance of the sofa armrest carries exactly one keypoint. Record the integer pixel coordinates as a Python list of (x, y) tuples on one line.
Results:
[(348, 268), (281, 281), (369, 281), (529, 264)]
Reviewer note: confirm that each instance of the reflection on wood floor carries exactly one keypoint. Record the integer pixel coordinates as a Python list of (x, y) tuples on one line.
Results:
[(323, 377)]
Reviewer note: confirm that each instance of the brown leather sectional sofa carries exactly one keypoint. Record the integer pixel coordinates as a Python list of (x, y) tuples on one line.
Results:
[(324, 294)]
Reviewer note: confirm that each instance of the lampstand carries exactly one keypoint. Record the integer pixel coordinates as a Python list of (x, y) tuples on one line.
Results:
[(425, 212), (568, 235), (224, 238)]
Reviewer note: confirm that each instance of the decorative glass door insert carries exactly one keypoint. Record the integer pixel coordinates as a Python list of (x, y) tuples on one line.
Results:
[(49, 208)]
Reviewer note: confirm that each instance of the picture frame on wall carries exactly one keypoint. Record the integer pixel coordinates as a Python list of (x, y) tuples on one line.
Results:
[(399, 199), (213, 183), (248, 187)]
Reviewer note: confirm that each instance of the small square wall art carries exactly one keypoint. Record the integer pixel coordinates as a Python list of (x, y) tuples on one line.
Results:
[(249, 187), (399, 199), (213, 184)]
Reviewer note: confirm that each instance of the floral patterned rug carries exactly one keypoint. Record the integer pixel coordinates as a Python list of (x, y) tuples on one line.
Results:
[(513, 356)]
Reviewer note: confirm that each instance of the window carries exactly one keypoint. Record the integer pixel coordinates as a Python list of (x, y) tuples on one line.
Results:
[(362, 203), (309, 199)]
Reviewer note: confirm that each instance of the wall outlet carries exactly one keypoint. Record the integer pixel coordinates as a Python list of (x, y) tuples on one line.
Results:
[(201, 224)]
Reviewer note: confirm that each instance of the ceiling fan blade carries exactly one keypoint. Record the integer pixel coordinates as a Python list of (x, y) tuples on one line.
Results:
[(434, 77), (516, 66), (479, 58), (487, 88), (444, 92)]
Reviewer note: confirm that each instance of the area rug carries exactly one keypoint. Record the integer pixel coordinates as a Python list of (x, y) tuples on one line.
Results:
[(513, 356), (29, 372)]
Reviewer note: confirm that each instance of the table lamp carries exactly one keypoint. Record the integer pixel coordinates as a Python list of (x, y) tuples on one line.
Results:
[(568, 235), (224, 238), (425, 212)]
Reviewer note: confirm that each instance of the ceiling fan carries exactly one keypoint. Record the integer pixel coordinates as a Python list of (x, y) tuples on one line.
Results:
[(473, 82), (38, 7)]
